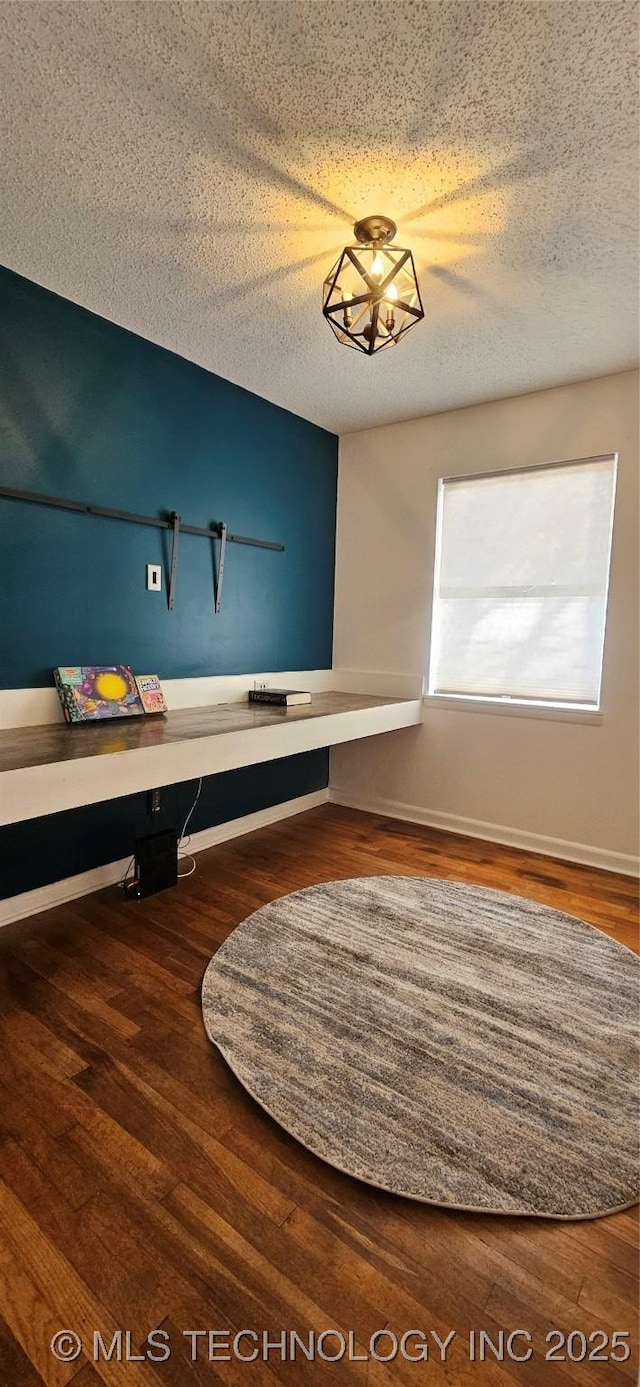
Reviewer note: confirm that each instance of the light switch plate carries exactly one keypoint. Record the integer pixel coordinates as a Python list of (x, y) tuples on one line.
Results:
[(154, 577)]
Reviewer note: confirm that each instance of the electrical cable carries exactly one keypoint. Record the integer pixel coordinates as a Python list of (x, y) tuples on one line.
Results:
[(183, 842), (124, 881), (185, 839)]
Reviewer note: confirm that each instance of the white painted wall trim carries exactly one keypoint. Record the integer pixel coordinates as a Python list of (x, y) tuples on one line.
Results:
[(58, 892), (379, 683), (233, 688), (39, 707), (33, 707), (583, 853), (510, 708)]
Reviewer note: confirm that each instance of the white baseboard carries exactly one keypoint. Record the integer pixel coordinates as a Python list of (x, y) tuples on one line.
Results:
[(58, 892), (583, 853)]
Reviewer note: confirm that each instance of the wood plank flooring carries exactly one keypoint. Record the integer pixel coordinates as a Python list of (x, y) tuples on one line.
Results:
[(141, 1189)]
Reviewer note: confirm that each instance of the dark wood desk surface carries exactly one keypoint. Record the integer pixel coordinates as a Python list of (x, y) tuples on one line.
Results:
[(22, 747)]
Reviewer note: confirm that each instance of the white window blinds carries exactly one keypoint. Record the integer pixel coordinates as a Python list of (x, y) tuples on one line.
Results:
[(521, 577)]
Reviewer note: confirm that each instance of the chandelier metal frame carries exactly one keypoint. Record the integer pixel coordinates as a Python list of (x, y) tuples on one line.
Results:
[(377, 313)]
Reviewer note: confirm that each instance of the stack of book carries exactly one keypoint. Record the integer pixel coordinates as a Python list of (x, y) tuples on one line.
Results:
[(89, 693), (280, 698)]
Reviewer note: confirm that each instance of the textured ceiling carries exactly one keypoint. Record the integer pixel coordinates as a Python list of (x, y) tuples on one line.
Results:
[(192, 170)]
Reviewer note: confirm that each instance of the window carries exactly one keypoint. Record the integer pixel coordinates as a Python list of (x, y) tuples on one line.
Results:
[(521, 578)]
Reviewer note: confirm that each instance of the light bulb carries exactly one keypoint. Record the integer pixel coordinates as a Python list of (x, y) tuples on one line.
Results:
[(377, 267), (391, 293)]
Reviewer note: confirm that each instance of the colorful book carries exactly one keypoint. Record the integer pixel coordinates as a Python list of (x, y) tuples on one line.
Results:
[(89, 693), (280, 698), (151, 695)]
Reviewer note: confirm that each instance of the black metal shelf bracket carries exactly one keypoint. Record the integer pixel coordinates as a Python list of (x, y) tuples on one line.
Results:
[(173, 570), (216, 530), (220, 574)]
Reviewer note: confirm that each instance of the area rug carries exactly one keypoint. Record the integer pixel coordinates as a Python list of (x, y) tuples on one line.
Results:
[(451, 1044)]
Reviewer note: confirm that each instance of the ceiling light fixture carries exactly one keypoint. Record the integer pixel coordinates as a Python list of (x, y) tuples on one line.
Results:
[(371, 297)]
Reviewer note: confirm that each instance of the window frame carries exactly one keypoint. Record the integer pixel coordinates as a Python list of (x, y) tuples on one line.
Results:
[(508, 703)]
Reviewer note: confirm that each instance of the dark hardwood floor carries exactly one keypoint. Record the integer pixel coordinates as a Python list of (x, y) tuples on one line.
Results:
[(141, 1188)]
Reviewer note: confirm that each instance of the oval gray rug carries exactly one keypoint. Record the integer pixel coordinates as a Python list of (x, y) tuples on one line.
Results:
[(445, 1042)]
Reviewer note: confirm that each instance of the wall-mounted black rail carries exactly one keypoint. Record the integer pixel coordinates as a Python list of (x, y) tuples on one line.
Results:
[(216, 530)]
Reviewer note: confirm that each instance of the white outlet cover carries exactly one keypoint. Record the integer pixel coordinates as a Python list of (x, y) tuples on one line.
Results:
[(154, 577)]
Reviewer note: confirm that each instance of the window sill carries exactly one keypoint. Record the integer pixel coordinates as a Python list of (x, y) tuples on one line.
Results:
[(506, 708)]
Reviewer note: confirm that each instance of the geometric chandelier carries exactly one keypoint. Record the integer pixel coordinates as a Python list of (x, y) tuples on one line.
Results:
[(371, 297)]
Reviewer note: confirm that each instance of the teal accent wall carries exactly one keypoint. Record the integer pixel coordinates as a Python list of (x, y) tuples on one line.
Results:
[(92, 412), (60, 845)]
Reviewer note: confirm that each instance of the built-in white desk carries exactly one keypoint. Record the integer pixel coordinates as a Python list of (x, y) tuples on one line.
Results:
[(45, 769)]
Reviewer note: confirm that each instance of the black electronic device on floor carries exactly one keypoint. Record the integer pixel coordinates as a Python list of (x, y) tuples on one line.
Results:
[(155, 863)]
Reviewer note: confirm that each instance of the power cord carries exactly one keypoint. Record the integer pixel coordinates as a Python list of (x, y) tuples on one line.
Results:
[(124, 881), (183, 842), (185, 839)]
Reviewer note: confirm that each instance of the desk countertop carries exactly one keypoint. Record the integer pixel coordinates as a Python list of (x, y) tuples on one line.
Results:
[(45, 769)]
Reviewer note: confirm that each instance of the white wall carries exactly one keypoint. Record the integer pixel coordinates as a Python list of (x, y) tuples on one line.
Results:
[(517, 778)]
